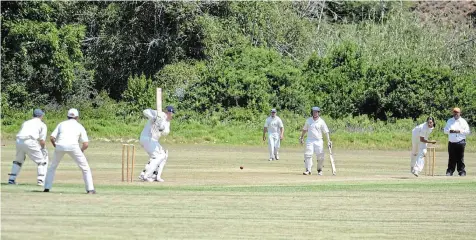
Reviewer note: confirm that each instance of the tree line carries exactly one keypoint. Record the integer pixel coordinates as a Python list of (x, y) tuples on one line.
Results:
[(350, 58)]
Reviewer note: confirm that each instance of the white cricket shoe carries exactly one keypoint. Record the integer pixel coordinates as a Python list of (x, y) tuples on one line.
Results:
[(270, 159), (149, 180), (307, 172), (319, 172), (141, 176), (160, 180), (40, 183), (276, 156)]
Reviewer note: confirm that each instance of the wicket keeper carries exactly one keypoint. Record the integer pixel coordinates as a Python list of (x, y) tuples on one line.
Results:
[(31, 141)]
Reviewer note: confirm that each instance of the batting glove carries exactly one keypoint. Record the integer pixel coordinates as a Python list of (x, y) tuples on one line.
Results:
[(159, 123), (329, 144)]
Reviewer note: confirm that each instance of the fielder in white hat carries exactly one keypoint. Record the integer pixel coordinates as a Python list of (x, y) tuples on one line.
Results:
[(275, 129), (66, 139)]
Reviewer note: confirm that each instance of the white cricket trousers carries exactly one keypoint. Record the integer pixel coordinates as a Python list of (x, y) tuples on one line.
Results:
[(273, 146), (80, 160), (418, 154), (157, 158), (31, 148), (314, 146)]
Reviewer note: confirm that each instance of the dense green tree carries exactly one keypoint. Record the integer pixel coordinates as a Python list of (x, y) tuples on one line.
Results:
[(41, 60), (238, 58)]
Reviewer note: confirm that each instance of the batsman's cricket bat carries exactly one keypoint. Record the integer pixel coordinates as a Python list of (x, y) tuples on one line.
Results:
[(159, 100), (333, 165)]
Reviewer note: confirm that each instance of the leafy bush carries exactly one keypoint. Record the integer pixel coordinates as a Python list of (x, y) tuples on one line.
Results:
[(140, 94)]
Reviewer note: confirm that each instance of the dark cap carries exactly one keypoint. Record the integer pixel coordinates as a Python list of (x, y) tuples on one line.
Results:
[(38, 113), (170, 109)]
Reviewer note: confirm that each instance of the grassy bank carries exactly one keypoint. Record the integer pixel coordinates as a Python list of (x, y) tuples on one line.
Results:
[(348, 133)]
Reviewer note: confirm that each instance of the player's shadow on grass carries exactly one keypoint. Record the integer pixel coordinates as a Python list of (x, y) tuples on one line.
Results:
[(27, 184), (421, 176), (404, 177), (41, 191)]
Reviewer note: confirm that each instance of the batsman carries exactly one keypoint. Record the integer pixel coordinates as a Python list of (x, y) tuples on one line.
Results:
[(158, 125), (315, 126)]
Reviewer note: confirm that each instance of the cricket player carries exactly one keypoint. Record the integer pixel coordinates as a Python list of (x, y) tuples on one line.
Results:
[(457, 129), (275, 129), (158, 125), (66, 138), (31, 141), (314, 127), (420, 136)]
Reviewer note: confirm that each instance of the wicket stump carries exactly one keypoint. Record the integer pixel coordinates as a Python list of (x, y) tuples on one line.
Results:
[(430, 161), (128, 155)]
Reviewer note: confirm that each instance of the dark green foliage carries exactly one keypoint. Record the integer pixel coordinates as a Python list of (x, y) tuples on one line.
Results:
[(130, 38), (233, 61), (252, 78), (336, 81), (139, 94), (356, 11), (41, 60)]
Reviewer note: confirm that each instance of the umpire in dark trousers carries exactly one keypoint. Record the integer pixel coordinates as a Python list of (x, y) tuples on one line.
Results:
[(457, 128)]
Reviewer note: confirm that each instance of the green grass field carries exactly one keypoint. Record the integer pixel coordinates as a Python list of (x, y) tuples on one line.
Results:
[(207, 196)]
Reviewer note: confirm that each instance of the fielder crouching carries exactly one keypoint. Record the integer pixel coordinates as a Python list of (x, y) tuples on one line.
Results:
[(66, 138), (158, 125), (31, 141)]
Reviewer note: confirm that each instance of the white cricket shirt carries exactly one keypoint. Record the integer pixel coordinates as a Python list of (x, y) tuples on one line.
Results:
[(33, 129), (460, 124), (147, 131), (422, 130), (315, 128), (68, 134), (274, 125)]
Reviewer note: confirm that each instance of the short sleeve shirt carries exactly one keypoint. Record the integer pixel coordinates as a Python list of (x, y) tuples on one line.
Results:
[(315, 128), (33, 129), (422, 130), (274, 125), (69, 134)]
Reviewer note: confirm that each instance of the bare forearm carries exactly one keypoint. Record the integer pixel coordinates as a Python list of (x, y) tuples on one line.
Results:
[(423, 140), (303, 133), (53, 141), (42, 143), (84, 147)]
